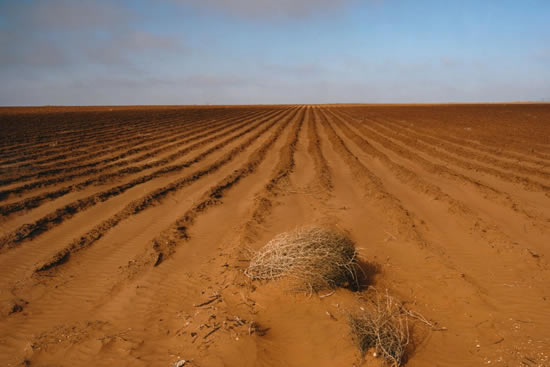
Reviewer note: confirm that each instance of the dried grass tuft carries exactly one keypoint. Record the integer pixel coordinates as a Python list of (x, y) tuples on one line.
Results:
[(316, 257), (382, 324)]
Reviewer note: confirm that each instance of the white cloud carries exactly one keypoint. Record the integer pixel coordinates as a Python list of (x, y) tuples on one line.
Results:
[(56, 34)]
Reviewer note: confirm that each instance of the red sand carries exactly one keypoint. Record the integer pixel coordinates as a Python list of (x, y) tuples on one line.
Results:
[(118, 223)]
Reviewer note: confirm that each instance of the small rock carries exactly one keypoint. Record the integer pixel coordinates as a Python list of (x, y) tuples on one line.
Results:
[(180, 363), (16, 308)]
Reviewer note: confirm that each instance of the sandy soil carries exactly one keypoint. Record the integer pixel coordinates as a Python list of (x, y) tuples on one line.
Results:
[(124, 232)]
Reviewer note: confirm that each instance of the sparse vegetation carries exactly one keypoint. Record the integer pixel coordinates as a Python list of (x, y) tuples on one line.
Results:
[(316, 257), (155, 206), (382, 324)]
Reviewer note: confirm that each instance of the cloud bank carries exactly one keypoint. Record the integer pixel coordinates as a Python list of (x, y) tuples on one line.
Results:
[(61, 34), (244, 51)]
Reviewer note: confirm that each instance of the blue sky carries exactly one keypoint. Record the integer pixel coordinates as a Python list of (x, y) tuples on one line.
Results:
[(63, 52)]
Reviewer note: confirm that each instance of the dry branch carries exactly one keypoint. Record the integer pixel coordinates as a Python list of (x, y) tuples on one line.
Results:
[(215, 297)]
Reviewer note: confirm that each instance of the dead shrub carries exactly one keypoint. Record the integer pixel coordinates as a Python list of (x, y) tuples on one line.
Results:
[(382, 324), (316, 257)]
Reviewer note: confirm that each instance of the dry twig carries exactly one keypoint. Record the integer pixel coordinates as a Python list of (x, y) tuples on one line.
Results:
[(212, 332), (215, 297), (421, 318)]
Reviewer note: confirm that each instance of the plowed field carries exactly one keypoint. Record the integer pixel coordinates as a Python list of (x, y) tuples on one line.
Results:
[(125, 232)]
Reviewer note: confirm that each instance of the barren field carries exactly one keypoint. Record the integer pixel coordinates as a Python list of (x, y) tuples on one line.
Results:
[(125, 232)]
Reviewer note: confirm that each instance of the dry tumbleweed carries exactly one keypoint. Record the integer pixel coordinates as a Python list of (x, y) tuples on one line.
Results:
[(382, 324), (317, 257)]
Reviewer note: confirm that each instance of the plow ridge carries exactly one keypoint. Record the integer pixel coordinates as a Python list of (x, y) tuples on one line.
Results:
[(461, 153), (147, 217), (502, 158), (525, 182), (29, 231), (407, 152), (324, 175), (58, 150), (264, 201), (164, 245), (153, 199), (497, 149), (128, 147), (373, 186), (35, 201), (456, 208), (102, 128)]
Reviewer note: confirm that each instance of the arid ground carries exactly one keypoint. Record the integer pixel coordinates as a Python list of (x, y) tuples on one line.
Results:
[(125, 232)]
